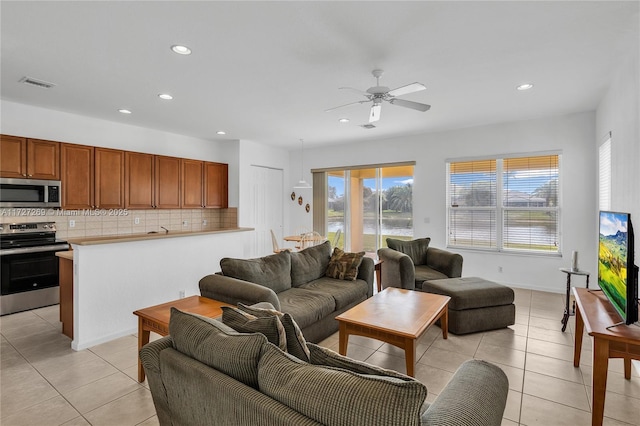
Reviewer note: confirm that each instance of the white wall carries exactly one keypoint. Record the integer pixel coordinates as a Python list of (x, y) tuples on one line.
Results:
[(573, 135), (619, 113), (33, 122)]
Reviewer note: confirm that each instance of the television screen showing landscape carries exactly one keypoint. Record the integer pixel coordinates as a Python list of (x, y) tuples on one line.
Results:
[(612, 258)]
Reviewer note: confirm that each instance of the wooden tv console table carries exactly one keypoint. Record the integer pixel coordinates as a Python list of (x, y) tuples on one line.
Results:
[(623, 341)]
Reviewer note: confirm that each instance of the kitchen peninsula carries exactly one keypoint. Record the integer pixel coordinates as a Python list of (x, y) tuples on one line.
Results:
[(116, 275)]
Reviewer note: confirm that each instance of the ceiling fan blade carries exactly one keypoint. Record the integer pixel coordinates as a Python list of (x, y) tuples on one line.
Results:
[(410, 104), (375, 113), (409, 88), (357, 91), (345, 105)]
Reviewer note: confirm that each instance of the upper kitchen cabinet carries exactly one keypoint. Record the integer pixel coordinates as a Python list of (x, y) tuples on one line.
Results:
[(109, 178), (167, 182), (216, 185), (77, 164), (139, 182), (192, 184), (29, 158)]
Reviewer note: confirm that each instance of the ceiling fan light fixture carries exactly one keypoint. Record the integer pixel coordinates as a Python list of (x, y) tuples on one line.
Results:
[(302, 184)]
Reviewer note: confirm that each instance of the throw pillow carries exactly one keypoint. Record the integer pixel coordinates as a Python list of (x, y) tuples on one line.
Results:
[(217, 345), (333, 396), (296, 344), (415, 249), (343, 265), (272, 271), (244, 322)]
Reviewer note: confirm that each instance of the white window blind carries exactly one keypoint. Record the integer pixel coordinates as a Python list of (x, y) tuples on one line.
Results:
[(526, 218), (604, 175)]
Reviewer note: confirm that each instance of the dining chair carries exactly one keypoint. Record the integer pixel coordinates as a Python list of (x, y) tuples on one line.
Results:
[(336, 238), (276, 247)]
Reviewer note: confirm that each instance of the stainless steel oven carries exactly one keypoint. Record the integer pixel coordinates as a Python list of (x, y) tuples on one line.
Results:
[(29, 274)]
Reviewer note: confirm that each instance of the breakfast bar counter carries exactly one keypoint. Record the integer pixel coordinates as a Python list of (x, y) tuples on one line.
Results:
[(114, 276)]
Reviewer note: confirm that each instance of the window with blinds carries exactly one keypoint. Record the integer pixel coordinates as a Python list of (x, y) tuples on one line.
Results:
[(604, 175), (505, 204)]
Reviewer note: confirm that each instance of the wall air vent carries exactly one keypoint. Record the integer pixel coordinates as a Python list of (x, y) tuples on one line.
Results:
[(35, 82), (368, 126)]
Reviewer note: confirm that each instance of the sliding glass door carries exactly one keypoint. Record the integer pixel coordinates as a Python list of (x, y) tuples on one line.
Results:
[(367, 205)]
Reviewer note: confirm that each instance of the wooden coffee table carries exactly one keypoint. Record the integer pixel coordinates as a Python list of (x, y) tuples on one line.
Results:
[(156, 318), (395, 316)]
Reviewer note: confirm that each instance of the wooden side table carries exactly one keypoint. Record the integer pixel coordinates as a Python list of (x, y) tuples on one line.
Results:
[(567, 312), (595, 313), (156, 318)]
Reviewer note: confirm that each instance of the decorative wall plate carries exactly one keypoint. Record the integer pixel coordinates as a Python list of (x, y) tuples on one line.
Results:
[(307, 207), (293, 196), (300, 200)]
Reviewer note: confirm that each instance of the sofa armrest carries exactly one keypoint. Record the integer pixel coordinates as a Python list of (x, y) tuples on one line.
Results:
[(397, 269), (447, 262), (234, 291), (150, 358), (365, 272), (475, 395)]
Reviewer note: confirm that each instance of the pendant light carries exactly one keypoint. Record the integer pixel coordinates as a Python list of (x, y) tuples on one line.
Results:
[(302, 184)]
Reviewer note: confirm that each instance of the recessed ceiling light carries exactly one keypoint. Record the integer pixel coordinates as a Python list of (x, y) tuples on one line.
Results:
[(124, 111), (344, 120), (525, 86), (165, 96), (181, 50), (221, 132)]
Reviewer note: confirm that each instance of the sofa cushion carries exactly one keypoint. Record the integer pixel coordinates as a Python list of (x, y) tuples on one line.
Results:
[(217, 345), (310, 264), (344, 265), (333, 396), (424, 273), (415, 249), (244, 322), (296, 343), (344, 293), (328, 358), (273, 271), (306, 306)]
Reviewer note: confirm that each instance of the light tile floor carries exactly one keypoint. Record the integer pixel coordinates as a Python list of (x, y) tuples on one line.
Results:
[(44, 382)]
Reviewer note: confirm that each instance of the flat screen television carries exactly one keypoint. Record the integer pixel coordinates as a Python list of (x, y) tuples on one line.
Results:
[(617, 274)]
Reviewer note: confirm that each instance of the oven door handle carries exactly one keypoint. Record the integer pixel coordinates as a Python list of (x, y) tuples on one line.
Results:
[(38, 249)]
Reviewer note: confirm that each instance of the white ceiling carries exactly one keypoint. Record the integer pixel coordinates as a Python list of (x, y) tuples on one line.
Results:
[(266, 71)]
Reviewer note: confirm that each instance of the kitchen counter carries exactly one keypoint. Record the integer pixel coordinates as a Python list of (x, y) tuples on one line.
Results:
[(109, 239), (65, 254)]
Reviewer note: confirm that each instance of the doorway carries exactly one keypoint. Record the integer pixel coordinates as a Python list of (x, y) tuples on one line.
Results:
[(267, 203)]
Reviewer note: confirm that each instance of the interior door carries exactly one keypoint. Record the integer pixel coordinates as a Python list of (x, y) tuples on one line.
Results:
[(267, 214)]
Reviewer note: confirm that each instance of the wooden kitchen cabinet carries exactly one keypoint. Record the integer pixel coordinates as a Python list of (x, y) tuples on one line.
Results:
[(29, 158), (77, 167), (167, 182), (109, 178), (216, 185), (192, 184), (139, 183)]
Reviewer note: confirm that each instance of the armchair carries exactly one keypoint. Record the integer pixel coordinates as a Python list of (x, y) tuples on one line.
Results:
[(407, 264)]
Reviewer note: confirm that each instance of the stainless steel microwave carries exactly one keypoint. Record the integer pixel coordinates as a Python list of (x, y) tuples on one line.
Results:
[(30, 193)]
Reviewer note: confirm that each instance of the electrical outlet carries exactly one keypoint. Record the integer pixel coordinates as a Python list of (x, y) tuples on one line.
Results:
[(204, 221), (185, 223), (181, 294), (72, 223), (499, 268), (136, 221)]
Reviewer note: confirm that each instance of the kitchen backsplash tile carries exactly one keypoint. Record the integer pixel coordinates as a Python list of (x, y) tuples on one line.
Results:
[(116, 222)]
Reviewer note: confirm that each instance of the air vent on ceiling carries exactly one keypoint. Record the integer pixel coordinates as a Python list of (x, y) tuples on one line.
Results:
[(35, 82), (368, 126)]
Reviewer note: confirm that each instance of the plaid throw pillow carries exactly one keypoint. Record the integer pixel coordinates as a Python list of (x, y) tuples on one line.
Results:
[(243, 322), (296, 343), (344, 265)]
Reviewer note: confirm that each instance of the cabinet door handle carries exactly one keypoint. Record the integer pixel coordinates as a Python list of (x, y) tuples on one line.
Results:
[(29, 175), (24, 175)]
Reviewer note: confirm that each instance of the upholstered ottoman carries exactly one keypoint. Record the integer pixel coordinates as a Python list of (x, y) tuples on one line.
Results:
[(476, 304)]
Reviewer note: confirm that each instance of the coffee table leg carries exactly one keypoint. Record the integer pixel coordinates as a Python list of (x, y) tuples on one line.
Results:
[(444, 322), (343, 339), (143, 339), (410, 356)]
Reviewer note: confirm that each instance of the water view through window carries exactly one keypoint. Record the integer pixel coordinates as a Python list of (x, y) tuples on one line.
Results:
[(368, 205)]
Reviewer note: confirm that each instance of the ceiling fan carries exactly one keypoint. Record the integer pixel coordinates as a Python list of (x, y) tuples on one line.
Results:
[(377, 94)]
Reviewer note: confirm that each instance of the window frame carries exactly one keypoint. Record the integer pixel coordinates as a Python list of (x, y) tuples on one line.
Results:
[(501, 209)]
